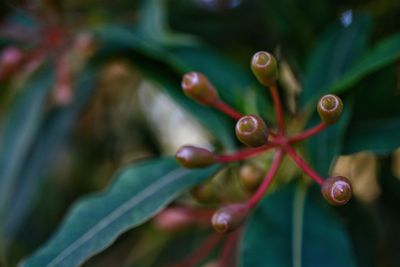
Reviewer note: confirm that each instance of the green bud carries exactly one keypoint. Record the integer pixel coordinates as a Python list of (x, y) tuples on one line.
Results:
[(330, 108), (230, 217), (194, 157), (196, 86), (251, 130), (205, 193), (337, 190), (250, 177), (265, 68)]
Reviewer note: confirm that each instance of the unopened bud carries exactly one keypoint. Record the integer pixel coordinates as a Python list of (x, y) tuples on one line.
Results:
[(196, 86)]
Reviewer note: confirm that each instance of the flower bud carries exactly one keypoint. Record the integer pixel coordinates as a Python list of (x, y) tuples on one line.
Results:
[(337, 190), (330, 108), (251, 130), (196, 86), (10, 59), (194, 157), (205, 193), (265, 68), (230, 217), (173, 219), (250, 177)]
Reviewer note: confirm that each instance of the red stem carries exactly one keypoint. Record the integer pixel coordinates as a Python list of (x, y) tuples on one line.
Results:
[(303, 165), (245, 153), (308, 133), (202, 252), (278, 108), (225, 108), (226, 259), (252, 202)]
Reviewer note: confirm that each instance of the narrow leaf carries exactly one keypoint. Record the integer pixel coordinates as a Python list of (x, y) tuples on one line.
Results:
[(19, 130), (385, 53), (53, 134), (294, 227), (139, 192), (334, 55)]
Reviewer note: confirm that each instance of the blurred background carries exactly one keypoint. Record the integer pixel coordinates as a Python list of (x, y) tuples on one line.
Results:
[(75, 107)]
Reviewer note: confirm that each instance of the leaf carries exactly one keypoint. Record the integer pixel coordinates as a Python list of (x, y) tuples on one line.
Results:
[(334, 55), (19, 130), (385, 53), (51, 137), (294, 227), (326, 145), (139, 192), (375, 124)]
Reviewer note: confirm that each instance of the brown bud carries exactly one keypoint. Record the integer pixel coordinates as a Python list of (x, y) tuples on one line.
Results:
[(251, 130), (337, 190), (205, 193), (330, 108), (264, 67), (230, 217), (250, 176), (196, 86), (194, 157)]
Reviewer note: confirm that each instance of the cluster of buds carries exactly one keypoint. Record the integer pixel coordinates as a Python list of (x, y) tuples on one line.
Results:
[(252, 131)]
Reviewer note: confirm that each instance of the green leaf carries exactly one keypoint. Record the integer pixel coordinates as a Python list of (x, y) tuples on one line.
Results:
[(385, 53), (294, 227), (52, 136), (19, 130), (328, 144), (139, 192), (381, 136), (334, 55), (375, 124)]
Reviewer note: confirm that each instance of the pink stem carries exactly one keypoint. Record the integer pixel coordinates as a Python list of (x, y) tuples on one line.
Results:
[(278, 108), (202, 252), (245, 153), (303, 165), (227, 258), (308, 133), (252, 202), (223, 107)]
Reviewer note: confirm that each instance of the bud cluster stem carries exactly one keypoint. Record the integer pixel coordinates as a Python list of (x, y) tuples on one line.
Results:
[(278, 108), (308, 133), (245, 153), (303, 165), (253, 201), (225, 108)]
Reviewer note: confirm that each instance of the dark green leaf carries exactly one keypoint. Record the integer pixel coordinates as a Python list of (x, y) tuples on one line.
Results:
[(293, 227), (334, 56), (375, 124), (385, 52), (51, 137), (19, 130), (139, 192)]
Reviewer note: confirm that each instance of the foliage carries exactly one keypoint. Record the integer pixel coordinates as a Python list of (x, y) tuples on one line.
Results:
[(59, 144)]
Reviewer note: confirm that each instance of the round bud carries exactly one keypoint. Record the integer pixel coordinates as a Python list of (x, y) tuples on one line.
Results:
[(194, 157), (337, 190), (173, 219), (205, 193), (250, 177), (251, 130), (264, 67), (230, 217), (196, 86), (330, 108)]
